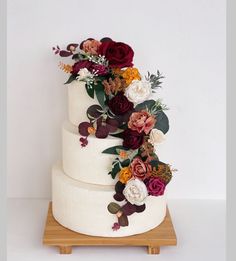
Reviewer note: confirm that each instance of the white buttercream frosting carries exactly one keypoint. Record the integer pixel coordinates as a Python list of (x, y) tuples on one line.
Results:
[(87, 164), (82, 208)]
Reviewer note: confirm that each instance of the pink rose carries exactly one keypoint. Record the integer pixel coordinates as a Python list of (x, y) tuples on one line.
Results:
[(141, 121), (140, 169), (155, 186), (91, 46)]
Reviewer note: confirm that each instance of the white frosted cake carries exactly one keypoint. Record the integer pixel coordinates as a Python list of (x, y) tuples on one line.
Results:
[(106, 184)]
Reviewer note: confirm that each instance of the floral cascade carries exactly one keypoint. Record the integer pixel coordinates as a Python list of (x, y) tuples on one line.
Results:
[(125, 111)]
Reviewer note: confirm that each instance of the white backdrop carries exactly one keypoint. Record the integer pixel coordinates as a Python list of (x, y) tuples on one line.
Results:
[(184, 39)]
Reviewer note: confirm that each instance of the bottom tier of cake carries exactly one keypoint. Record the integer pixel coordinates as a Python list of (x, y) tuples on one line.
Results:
[(82, 207)]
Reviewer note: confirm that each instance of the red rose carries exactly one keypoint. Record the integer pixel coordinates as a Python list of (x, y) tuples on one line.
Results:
[(118, 54), (132, 139), (119, 104), (155, 186), (80, 65), (140, 169)]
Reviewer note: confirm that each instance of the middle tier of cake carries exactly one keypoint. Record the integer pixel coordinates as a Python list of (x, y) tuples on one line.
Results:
[(87, 164)]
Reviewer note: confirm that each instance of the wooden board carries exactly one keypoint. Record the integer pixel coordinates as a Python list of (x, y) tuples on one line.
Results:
[(57, 235)]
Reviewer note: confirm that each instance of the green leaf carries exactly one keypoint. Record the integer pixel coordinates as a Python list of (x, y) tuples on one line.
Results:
[(125, 163), (90, 90), (99, 90), (145, 105), (71, 79), (154, 163), (113, 150), (115, 170), (162, 122), (123, 221), (117, 135), (113, 208)]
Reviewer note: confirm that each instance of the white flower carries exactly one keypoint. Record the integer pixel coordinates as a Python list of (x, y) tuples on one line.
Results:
[(156, 136), (138, 91), (135, 192), (83, 74)]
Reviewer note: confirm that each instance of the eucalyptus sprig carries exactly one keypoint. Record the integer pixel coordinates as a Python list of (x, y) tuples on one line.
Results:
[(158, 106), (98, 59), (154, 79)]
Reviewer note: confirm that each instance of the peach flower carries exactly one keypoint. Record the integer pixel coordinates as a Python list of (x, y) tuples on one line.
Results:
[(91, 46), (141, 121), (140, 169)]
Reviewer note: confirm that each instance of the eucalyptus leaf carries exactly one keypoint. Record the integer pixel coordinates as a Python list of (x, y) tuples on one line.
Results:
[(113, 208), (115, 170), (71, 79), (90, 90), (113, 150), (162, 122), (145, 105), (125, 163), (117, 135), (99, 90), (123, 221)]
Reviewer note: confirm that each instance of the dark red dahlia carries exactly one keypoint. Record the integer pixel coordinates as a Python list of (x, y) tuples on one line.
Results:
[(120, 105), (132, 139)]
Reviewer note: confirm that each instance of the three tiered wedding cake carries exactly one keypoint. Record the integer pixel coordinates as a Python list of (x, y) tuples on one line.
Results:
[(110, 181)]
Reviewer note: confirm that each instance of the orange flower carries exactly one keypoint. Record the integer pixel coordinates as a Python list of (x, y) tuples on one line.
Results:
[(123, 154), (125, 174), (65, 67), (131, 74), (91, 130), (117, 71)]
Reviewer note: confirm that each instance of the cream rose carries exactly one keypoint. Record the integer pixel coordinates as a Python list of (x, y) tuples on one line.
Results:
[(138, 91), (156, 136), (135, 192), (83, 74)]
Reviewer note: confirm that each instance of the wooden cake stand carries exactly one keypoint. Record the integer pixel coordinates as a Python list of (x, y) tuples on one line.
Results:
[(57, 235)]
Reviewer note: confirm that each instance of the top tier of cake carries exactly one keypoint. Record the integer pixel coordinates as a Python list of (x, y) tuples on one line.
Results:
[(78, 102), (87, 164)]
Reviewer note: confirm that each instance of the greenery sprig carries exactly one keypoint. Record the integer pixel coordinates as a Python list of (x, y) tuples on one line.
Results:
[(154, 79)]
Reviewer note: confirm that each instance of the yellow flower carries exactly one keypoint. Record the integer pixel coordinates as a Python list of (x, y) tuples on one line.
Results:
[(125, 174), (131, 74)]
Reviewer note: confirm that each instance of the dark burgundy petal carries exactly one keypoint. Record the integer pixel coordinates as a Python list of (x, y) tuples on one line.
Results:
[(105, 39), (63, 53), (119, 187), (119, 197), (83, 128), (94, 111), (140, 208), (112, 125), (128, 209), (71, 45), (102, 132)]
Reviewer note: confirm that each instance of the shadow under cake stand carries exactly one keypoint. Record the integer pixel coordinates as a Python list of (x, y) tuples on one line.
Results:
[(57, 235)]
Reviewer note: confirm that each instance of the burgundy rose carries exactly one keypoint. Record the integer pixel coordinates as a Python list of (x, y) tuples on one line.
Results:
[(99, 69), (119, 104), (140, 169), (132, 139), (155, 186), (118, 54), (80, 65)]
